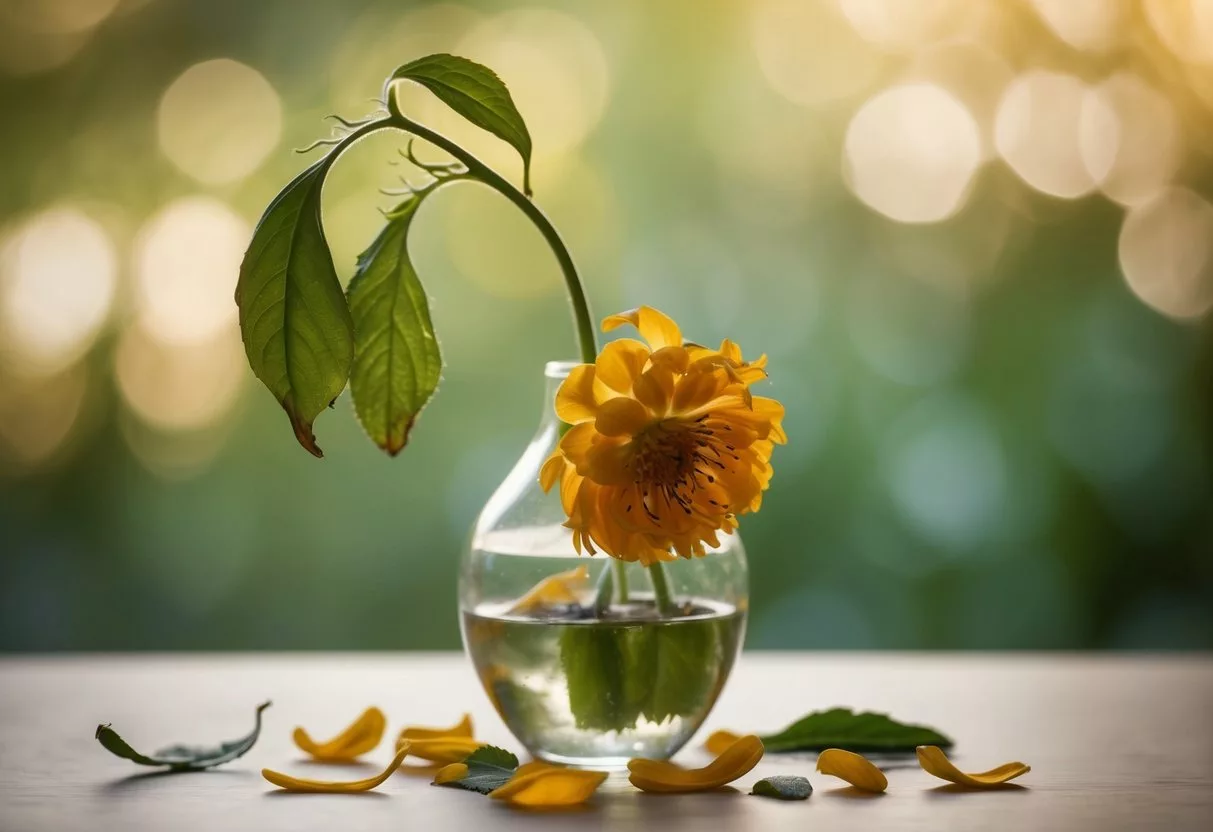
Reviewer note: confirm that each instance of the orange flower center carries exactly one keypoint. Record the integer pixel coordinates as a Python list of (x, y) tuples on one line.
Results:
[(674, 457)]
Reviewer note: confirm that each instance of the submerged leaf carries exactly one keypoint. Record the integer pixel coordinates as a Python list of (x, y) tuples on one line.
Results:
[(664, 777), (854, 768), (485, 769), (477, 94), (397, 364), (183, 757), (543, 786), (843, 728), (934, 761), (296, 327), (303, 784), (785, 787), (360, 737)]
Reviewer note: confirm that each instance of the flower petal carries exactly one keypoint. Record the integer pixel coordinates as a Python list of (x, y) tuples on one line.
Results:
[(554, 590), (934, 761), (462, 728), (451, 773), (448, 749), (550, 473), (300, 784), (664, 777), (854, 768), (654, 389), (620, 363), (575, 398), (546, 786), (622, 416), (361, 736), (655, 327), (719, 741)]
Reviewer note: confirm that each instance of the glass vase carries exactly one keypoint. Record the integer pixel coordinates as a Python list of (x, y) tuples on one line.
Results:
[(572, 649)]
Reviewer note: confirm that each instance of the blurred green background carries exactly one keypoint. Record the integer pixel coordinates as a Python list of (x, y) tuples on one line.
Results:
[(974, 237)]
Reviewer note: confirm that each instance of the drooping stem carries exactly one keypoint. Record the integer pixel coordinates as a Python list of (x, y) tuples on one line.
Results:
[(582, 318)]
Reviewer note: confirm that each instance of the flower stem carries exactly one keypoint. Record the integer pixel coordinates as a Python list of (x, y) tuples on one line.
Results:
[(661, 589), (582, 318)]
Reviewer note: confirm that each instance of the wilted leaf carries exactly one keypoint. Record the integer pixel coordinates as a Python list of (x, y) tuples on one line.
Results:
[(183, 757), (477, 94), (396, 360), (294, 321)]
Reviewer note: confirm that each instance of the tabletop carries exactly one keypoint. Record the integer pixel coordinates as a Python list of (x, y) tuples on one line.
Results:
[(1115, 742)]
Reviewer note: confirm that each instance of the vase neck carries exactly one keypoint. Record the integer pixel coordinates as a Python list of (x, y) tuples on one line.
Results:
[(554, 373)]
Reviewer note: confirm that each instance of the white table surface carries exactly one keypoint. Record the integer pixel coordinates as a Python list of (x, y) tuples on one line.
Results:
[(1115, 742)]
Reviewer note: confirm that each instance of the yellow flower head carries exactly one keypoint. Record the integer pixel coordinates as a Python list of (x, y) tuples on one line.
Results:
[(668, 446)]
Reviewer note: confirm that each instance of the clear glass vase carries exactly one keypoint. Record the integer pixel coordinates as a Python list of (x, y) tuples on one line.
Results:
[(572, 649)]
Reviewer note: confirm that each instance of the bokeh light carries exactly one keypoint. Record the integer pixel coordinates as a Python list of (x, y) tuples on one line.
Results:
[(1130, 138), (1184, 26), (809, 52), (179, 387), (897, 25), (58, 278), (1166, 253), (972, 72), (911, 153), (187, 259), (37, 416), (219, 120), (1093, 25), (1037, 132)]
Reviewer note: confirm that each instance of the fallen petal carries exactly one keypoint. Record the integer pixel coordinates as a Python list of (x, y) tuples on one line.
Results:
[(664, 777), (719, 741), (300, 784), (440, 749), (463, 728), (856, 769), (359, 738), (546, 786), (934, 761), (450, 773), (561, 588)]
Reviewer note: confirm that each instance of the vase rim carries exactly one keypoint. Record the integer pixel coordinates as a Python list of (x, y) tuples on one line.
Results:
[(559, 369)]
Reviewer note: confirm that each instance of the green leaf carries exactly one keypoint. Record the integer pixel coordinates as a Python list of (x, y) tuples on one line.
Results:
[(396, 360), (596, 663), (785, 787), (477, 94), (296, 326), (845, 729), (489, 768), (685, 670), (182, 757)]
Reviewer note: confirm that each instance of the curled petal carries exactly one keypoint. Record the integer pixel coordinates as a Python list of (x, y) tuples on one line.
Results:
[(654, 389), (620, 363), (451, 773), (441, 749), (550, 473), (854, 768), (621, 417), (934, 761), (360, 737), (575, 399), (665, 777), (545, 787), (301, 784), (462, 728), (654, 326), (718, 741), (555, 590)]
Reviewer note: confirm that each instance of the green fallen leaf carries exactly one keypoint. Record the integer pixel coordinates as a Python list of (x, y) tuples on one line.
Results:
[(183, 757), (296, 327), (786, 787), (488, 768), (396, 360), (845, 729), (477, 94)]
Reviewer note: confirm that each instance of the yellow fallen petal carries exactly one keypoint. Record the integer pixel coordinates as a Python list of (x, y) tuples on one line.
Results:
[(450, 773), (719, 741), (539, 785), (299, 784), (362, 736), (561, 588), (441, 749), (665, 777), (463, 728), (854, 768), (934, 761)]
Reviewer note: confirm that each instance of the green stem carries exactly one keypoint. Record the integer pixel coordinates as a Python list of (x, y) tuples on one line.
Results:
[(582, 318), (661, 589)]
